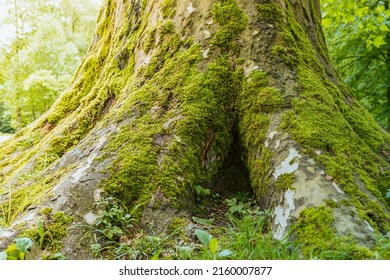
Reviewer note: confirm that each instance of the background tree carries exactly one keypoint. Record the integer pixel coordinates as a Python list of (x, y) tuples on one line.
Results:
[(176, 96), (358, 36), (50, 38)]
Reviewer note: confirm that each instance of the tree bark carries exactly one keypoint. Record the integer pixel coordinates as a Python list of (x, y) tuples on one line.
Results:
[(225, 94), (388, 106)]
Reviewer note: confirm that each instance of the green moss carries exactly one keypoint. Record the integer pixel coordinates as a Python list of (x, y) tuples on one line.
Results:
[(168, 8), (291, 44), (177, 226), (285, 54), (201, 96), (181, 118), (20, 196), (167, 28), (232, 21), (325, 119), (314, 230), (321, 122), (270, 12), (51, 230), (257, 102), (331, 203), (150, 40), (284, 182)]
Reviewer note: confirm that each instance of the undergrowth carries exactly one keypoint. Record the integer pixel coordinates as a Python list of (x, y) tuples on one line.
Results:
[(224, 228), (232, 228)]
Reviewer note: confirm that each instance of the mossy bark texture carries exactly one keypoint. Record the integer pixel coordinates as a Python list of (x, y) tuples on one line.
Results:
[(170, 91)]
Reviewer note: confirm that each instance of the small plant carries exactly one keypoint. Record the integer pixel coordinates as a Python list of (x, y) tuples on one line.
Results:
[(201, 192), (383, 247), (114, 219), (240, 208), (41, 233), (211, 244), (55, 256), (113, 225), (17, 250)]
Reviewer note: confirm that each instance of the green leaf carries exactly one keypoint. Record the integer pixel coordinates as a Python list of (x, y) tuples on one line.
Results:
[(326, 22), (157, 255), (41, 233), (380, 8), (384, 27), (203, 236), (200, 190), (362, 11), (213, 245), (12, 252), (59, 256), (3, 256), (225, 253), (236, 208), (23, 244), (378, 41)]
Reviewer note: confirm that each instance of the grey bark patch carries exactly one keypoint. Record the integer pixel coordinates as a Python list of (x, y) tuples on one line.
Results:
[(337, 188), (369, 227), (97, 195), (287, 166), (6, 237), (159, 213), (282, 213), (90, 218), (161, 140)]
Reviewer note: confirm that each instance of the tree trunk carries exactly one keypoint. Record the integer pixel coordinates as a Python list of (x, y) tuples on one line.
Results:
[(388, 107), (223, 94)]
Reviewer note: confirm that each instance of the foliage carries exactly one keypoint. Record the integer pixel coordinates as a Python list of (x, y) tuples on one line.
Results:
[(363, 60), (113, 224), (17, 250), (357, 34), (211, 244), (201, 193), (49, 40), (246, 234), (383, 247), (240, 208), (114, 220), (5, 120)]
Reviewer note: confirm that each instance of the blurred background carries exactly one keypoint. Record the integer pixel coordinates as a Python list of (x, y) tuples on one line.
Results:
[(41, 45)]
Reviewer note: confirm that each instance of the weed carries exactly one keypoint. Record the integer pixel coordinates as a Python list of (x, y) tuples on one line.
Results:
[(245, 234), (17, 250), (201, 193), (113, 225), (211, 245)]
